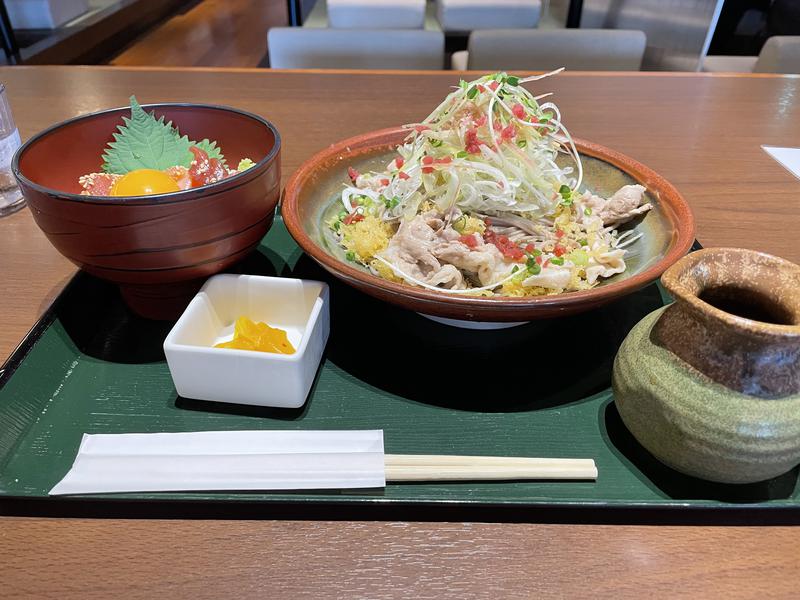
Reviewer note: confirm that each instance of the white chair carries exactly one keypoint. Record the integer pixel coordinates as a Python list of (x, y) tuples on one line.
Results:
[(304, 48), (543, 50), (781, 54), (469, 15), (376, 14)]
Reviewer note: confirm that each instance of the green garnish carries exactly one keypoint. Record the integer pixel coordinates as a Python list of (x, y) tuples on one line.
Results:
[(583, 242), (557, 260), (473, 91), (462, 154), (587, 211), (436, 143), (364, 201), (511, 80), (144, 142), (579, 257), (533, 267), (460, 223), (350, 255), (391, 202), (245, 164), (566, 194), (522, 143)]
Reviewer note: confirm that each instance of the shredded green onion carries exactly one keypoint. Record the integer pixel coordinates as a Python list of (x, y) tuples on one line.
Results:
[(460, 223), (491, 149)]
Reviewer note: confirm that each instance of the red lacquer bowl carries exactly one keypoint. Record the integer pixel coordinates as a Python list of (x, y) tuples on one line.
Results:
[(158, 248), (310, 195)]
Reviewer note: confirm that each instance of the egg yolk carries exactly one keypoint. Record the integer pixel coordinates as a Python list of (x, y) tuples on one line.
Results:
[(144, 182)]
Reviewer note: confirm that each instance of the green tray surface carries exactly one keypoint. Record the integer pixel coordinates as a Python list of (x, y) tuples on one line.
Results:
[(540, 389)]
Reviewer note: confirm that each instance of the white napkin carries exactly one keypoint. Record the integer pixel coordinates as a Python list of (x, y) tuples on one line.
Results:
[(226, 460), (788, 157)]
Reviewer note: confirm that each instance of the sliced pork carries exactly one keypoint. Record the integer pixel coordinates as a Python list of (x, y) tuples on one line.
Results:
[(485, 261), (624, 205), (410, 251)]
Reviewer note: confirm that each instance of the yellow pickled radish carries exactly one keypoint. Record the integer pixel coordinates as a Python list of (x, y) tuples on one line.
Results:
[(249, 335)]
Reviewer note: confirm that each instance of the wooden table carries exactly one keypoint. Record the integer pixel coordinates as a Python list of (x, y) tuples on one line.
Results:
[(702, 132)]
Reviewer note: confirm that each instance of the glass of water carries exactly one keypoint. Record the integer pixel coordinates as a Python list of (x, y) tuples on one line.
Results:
[(11, 199)]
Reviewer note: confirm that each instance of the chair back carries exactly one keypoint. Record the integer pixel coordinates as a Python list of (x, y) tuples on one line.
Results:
[(307, 48), (376, 14), (543, 50), (781, 54), (470, 15)]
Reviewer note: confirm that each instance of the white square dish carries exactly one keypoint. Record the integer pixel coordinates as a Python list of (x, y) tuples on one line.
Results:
[(200, 371)]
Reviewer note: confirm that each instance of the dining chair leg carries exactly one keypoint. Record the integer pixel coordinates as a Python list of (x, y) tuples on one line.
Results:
[(574, 14), (294, 10), (9, 40)]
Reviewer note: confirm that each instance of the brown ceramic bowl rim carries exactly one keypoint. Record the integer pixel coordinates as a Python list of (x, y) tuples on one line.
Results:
[(681, 245), (672, 282), (238, 180)]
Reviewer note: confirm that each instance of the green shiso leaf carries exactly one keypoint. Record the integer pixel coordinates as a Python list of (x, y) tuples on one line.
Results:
[(210, 148), (145, 142)]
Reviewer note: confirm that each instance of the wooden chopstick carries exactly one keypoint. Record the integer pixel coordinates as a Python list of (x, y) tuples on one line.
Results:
[(422, 467)]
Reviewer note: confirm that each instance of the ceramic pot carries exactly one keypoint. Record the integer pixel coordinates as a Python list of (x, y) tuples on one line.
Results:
[(710, 385)]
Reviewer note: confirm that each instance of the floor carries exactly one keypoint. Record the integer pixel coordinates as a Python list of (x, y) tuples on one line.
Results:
[(232, 33), (211, 33)]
